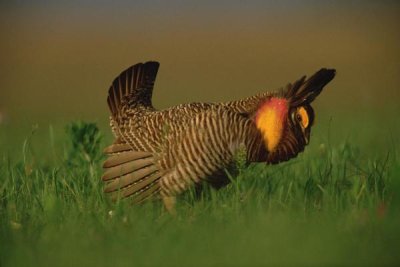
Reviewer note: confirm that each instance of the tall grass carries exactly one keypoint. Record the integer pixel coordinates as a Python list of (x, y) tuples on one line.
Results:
[(333, 205)]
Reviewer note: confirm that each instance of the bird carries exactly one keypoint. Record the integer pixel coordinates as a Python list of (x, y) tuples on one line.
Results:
[(158, 154)]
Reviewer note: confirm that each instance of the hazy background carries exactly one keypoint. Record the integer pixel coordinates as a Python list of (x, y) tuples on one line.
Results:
[(58, 59)]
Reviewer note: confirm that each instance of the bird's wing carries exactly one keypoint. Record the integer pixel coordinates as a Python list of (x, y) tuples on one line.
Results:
[(131, 173), (117, 147), (134, 86), (207, 145)]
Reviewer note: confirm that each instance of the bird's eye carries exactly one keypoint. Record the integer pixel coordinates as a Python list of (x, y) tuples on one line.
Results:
[(302, 117), (298, 117)]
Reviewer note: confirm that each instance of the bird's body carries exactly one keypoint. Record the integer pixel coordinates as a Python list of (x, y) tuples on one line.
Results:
[(162, 153)]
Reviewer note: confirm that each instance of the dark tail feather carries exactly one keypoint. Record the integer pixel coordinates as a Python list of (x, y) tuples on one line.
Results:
[(305, 91), (135, 83)]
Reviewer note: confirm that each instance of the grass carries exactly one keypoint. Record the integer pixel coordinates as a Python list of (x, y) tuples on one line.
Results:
[(335, 205)]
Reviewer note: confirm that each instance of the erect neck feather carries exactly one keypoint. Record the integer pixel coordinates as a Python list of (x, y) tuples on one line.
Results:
[(270, 120)]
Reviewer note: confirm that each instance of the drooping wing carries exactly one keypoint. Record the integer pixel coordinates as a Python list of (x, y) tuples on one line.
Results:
[(206, 146), (131, 173)]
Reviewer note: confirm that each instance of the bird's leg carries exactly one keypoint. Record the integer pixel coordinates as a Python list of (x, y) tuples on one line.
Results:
[(169, 203)]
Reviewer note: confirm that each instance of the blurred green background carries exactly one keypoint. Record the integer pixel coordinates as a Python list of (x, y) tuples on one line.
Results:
[(59, 58)]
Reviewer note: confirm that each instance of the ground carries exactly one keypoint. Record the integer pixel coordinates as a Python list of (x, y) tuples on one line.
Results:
[(337, 204)]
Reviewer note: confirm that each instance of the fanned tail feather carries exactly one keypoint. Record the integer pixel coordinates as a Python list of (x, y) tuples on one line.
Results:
[(134, 85)]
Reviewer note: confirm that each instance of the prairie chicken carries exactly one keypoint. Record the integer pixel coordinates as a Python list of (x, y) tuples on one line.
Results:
[(161, 153)]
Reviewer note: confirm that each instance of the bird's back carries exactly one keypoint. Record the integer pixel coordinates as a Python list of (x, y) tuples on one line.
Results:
[(137, 125)]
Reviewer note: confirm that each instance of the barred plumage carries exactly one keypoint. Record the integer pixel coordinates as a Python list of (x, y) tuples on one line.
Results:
[(162, 153)]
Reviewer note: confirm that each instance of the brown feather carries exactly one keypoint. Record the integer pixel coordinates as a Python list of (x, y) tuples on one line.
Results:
[(135, 180), (146, 194), (124, 168), (130, 178), (125, 157), (115, 148), (140, 91)]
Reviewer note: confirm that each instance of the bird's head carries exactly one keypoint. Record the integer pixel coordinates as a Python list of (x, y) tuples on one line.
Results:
[(285, 118)]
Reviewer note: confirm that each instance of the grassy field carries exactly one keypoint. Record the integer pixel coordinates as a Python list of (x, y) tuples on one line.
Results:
[(337, 204)]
